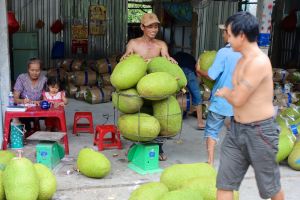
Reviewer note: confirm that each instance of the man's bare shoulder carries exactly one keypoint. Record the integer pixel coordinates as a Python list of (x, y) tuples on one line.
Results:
[(260, 62), (135, 41), (160, 42)]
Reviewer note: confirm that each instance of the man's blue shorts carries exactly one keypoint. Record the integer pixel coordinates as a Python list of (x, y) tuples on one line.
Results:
[(193, 86), (214, 124)]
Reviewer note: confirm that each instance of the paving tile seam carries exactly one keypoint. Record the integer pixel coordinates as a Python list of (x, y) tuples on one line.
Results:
[(101, 187)]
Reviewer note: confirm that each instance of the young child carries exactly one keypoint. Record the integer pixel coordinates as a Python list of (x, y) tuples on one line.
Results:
[(56, 97)]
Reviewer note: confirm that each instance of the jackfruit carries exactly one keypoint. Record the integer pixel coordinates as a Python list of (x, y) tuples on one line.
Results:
[(157, 86), (127, 101), (139, 127), (294, 157), (174, 176), (168, 113), (92, 163), (182, 194), (206, 187), (206, 59), (5, 157), (47, 182), (162, 64), (2, 193), (285, 144), (149, 191), (128, 72), (20, 180)]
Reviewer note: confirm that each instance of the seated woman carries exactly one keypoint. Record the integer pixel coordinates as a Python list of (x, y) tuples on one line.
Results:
[(29, 87)]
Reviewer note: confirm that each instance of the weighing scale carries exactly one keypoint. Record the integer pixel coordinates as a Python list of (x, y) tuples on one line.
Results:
[(48, 151), (144, 158)]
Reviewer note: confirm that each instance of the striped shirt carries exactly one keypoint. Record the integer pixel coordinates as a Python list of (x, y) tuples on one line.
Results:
[(26, 89)]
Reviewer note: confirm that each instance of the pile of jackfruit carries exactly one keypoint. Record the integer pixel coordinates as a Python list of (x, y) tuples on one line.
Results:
[(145, 95)]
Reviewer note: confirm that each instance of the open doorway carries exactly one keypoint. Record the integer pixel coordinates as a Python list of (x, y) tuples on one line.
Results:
[(136, 9)]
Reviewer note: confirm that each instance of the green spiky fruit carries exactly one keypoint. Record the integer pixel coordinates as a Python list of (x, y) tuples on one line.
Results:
[(20, 180), (139, 127), (128, 72), (47, 182), (174, 176), (149, 191), (157, 86), (168, 113), (5, 157), (182, 194), (206, 59), (162, 64), (127, 101), (93, 164)]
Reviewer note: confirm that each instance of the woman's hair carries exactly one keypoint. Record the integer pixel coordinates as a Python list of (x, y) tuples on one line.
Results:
[(34, 61), (52, 81)]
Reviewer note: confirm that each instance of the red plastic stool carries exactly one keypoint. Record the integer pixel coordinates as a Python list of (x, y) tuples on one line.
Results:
[(102, 142), (83, 127)]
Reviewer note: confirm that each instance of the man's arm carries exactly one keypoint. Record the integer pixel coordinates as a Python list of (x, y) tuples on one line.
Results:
[(245, 85), (164, 52), (201, 72), (129, 49)]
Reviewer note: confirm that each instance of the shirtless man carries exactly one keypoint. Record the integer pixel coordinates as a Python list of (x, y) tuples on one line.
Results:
[(253, 139), (148, 47)]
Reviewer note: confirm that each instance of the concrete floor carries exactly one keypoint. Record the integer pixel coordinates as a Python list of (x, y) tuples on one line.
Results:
[(188, 147)]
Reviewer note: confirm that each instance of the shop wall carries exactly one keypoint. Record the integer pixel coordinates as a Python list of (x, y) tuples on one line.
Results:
[(285, 45), (28, 12), (113, 42), (210, 15)]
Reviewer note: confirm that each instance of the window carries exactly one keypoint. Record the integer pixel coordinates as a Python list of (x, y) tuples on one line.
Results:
[(136, 9), (248, 5)]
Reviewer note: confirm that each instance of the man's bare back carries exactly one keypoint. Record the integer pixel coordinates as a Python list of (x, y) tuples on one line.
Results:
[(254, 78)]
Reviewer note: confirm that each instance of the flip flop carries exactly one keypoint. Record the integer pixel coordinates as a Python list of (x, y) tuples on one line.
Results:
[(200, 128)]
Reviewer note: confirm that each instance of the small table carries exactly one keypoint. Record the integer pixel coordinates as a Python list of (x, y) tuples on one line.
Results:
[(36, 111)]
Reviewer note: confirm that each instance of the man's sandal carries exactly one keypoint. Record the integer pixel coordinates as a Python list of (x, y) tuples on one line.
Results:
[(162, 157)]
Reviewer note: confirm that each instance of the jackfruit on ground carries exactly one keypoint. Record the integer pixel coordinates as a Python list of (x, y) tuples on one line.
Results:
[(174, 176), (139, 127), (206, 59), (5, 157), (294, 157), (127, 101), (20, 180), (149, 191), (169, 115), (2, 194), (157, 86), (285, 145), (92, 163), (206, 187), (128, 72), (47, 182), (162, 64), (182, 194)]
